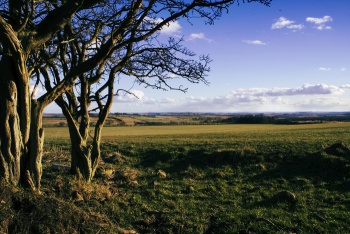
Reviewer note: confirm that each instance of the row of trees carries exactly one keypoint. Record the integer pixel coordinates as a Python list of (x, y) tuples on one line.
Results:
[(75, 50)]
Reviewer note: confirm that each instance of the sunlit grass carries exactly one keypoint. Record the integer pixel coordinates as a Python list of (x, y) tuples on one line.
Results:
[(256, 131), (218, 178)]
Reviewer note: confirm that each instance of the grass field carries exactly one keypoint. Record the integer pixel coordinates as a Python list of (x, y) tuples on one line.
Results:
[(248, 129), (210, 179)]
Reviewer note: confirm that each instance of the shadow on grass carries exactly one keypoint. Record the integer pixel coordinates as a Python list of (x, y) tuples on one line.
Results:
[(200, 158), (153, 156), (328, 165)]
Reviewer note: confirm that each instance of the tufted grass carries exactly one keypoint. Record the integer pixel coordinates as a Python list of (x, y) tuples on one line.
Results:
[(207, 179)]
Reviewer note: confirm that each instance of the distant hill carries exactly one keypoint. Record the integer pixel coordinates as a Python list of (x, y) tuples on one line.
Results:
[(170, 118)]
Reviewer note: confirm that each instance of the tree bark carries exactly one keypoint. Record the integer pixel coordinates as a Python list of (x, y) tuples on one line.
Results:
[(80, 159), (84, 160), (10, 137), (84, 156), (20, 151), (33, 166)]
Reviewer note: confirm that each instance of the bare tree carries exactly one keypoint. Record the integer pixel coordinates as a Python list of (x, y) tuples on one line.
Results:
[(78, 47), (149, 64)]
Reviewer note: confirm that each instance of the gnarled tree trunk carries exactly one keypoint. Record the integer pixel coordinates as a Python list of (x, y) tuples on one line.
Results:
[(84, 154), (10, 133), (36, 142), (84, 159), (21, 133)]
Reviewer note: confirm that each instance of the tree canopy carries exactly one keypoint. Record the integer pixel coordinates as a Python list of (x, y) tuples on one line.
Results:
[(76, 49)]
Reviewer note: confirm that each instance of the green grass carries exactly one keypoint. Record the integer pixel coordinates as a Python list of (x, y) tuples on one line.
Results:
[(219, 178)]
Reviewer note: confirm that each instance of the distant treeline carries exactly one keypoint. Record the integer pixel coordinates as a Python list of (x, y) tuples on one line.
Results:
[(262, 119), (254, 119), (150, 123), (250, 119)]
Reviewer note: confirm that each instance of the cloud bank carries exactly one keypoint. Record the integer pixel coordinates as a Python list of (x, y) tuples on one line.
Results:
[(315, 97)]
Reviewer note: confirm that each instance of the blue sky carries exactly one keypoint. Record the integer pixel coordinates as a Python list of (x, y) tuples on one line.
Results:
[(291, 56)]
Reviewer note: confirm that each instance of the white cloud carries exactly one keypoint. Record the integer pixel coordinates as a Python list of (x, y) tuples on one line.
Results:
[(346, 86), (323, 20), (280, 100), (254, 42), (198, 36), (324, 68), (131, 96), (283, 22), (195, 36), (172, 28), (317, 89), (322, 104), (264, 99), (320, 23), (139, 97), (306, 89), (296, 26), (343, 69), (306, 97)]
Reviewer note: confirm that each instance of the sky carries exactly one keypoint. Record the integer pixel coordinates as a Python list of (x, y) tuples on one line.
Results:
[(292, 56)]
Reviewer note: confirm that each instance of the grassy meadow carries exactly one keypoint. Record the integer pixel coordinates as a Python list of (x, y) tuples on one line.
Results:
[(200, 179)]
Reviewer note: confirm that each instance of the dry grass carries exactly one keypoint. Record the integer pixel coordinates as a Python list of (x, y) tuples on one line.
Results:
[(26, 212)]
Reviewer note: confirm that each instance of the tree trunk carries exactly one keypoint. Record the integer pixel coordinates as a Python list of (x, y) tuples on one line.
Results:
[(10, 137), (80, 159), (20, 152), (84, 160), (36, 142), (80, 151), (84, 156)]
